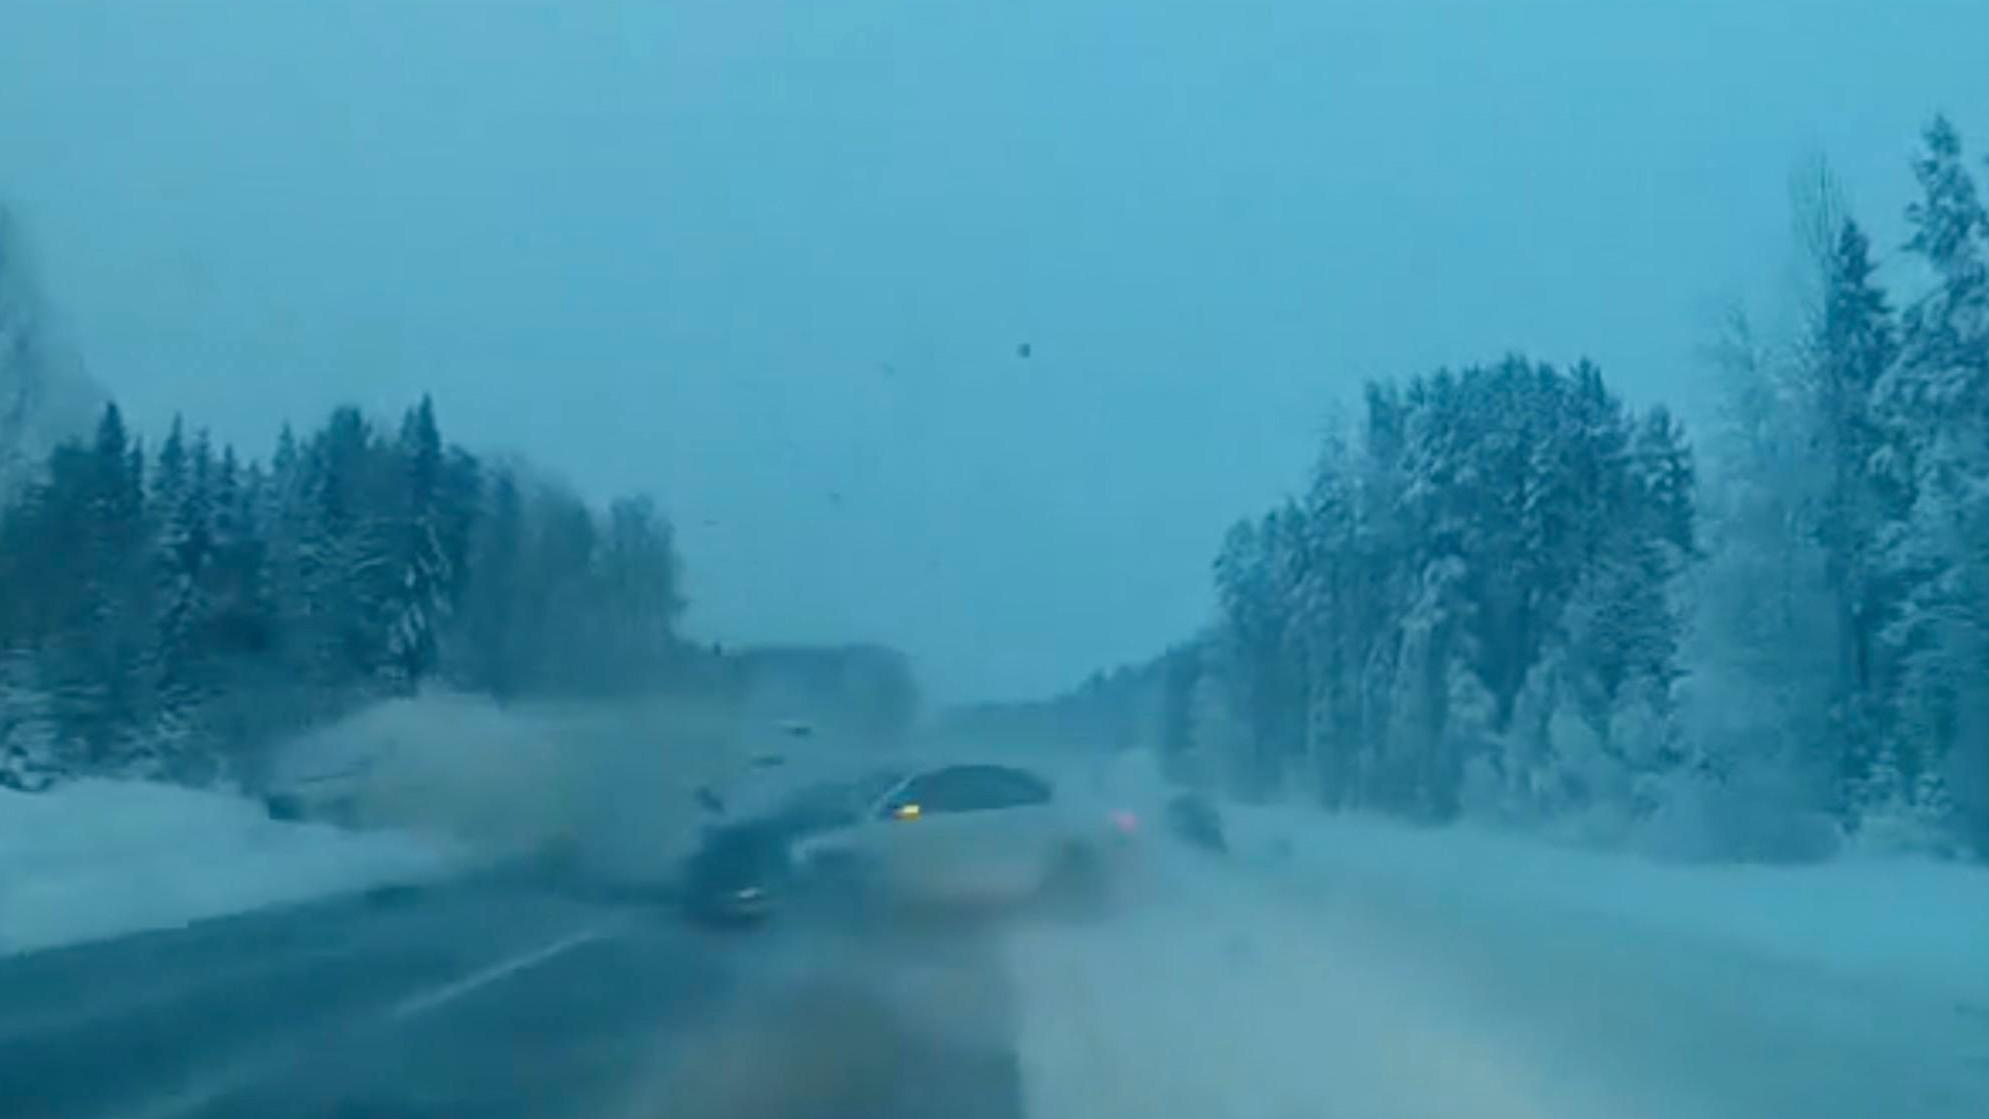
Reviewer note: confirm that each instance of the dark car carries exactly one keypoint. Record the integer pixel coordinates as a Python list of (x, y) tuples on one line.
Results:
[(738, 872), (743, 870), (1194, 819)]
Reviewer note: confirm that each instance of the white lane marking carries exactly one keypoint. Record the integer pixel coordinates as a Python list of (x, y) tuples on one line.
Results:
[(241, 1074), (450, 992)]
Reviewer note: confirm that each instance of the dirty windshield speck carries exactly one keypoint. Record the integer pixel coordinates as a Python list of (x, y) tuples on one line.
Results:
[(1040, 559)]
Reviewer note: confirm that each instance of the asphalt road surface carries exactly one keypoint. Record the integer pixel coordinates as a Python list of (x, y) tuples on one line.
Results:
[(476, 1000)]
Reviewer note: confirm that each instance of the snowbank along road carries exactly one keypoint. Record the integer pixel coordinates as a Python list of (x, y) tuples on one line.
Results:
[(1331, 980)]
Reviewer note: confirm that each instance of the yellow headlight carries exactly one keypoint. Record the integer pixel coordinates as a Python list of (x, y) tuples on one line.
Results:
[(907, 812)]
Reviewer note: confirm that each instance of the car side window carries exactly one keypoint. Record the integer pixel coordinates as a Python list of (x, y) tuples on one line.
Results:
[(968, 788)]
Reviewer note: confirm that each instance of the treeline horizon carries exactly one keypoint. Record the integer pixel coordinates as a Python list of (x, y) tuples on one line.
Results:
[(1505, 595), (167, 612), (1501, 594)]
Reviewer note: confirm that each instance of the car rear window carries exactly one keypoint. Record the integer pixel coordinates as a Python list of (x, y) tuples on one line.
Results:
[(971, 788)]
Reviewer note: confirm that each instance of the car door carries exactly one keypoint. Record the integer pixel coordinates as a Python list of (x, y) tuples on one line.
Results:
[(965, 830)]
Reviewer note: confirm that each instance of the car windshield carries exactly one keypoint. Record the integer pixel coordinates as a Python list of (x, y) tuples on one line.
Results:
[(994, 559), (967, 788)]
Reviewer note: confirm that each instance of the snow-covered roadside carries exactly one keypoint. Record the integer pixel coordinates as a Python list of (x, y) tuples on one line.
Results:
[(1898, 921), (1219, 997), (1357, 967), (97, 859)]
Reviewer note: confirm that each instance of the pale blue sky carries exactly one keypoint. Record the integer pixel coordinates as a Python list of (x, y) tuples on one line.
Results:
[(770, 259)]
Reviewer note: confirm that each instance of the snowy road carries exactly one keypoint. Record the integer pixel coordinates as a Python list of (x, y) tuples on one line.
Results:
[(1253, 991), (471, 1001)]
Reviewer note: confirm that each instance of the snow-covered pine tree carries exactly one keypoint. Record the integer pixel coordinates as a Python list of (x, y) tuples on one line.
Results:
[(282, 510), (459, 507), (1551, 527), (1260, 575), (1795, 681), (1937, 398), (1331, 623), (182, 556), (31, 758), (243, 703), (490, 656), (1253, 631), (93, 660), (1385, 551), (1288, 558), (345, 563), (1860, 503), (1513, 495), (420, 592), (1455, 529), (238, 611), (1622, 628), (169, 475), (1761, 640)]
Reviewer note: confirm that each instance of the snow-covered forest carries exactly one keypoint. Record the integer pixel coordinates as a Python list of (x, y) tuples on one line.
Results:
[(1503, 593), (168, 609)]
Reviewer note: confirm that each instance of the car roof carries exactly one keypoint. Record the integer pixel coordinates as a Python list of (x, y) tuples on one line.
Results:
[(970, 767)]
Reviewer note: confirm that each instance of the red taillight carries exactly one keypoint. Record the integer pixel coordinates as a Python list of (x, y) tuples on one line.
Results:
[(1126, 822)]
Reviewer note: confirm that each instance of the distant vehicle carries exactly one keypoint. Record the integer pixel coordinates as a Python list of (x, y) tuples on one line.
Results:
[(331, 798), (971, 834), (320, 778), (1193, 818)]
